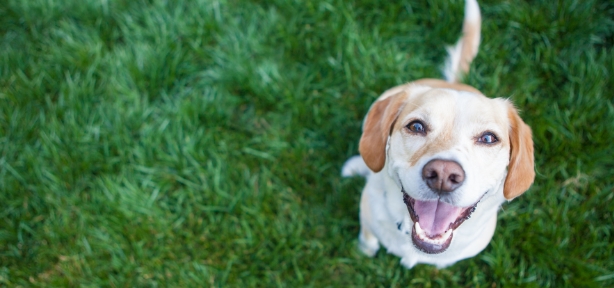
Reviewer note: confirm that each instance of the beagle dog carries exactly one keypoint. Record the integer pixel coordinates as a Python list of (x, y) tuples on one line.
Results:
[(439, 158)]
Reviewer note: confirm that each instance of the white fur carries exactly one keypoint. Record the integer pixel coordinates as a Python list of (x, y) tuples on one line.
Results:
[(472, 11), (450, 69)]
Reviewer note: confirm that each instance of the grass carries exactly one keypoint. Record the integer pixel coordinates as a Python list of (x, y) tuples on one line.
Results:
[(199, 143)]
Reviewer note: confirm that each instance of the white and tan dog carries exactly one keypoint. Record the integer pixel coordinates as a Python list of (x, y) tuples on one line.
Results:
[(440, 158)]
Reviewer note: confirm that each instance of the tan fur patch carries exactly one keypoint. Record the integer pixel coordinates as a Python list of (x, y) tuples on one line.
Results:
[(471, 31), (521, 171), (436, 83), (376, 130), (444, 142)]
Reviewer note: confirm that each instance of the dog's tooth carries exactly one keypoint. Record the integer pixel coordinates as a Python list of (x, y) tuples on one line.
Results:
[(447, 234), (419, 230)]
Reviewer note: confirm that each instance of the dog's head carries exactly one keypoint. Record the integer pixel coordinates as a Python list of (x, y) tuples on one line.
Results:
[(446, 146)]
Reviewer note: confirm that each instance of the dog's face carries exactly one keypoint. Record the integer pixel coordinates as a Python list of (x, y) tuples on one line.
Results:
[(447, 149)]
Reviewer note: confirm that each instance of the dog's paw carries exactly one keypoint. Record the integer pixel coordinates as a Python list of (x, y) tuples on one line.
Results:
[(368, 247), (355, 166), (408, 262)]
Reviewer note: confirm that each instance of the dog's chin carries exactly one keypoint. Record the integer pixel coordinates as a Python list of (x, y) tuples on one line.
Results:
[(435, 223)]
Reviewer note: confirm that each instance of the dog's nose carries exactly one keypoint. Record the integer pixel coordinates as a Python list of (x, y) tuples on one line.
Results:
[(443, 175)]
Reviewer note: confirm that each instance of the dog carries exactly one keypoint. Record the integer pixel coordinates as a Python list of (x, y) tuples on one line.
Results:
[(439, 158)]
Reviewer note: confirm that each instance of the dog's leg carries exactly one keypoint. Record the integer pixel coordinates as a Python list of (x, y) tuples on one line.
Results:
[(367, 242)]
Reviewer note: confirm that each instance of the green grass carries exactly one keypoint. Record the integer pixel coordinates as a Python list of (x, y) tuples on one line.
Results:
[(199, 143)]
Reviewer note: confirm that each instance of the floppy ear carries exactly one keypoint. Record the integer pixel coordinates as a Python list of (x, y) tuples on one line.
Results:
[(377, 128), (521, 171)]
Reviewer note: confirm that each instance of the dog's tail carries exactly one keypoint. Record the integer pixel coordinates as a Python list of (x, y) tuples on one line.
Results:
[(355, 166), (461, 54)]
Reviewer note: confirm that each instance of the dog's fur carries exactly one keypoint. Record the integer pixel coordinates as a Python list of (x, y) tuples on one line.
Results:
[(456, 125)]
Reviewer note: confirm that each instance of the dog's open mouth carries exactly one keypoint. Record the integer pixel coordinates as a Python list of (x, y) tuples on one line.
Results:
[(434, 223)]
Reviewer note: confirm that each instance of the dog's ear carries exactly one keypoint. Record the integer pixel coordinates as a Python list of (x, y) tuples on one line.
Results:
[(377, 128), (521, 171)]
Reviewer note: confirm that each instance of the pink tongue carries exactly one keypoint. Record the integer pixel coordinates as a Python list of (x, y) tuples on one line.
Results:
[(435, 216)]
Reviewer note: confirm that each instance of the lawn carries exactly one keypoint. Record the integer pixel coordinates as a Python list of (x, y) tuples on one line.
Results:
[(199, 143)]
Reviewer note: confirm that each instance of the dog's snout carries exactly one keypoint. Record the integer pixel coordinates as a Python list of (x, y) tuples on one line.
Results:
[(443, 175)]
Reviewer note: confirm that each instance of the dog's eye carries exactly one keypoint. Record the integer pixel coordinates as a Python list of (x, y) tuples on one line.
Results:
[(488, 138), (416, 127)]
